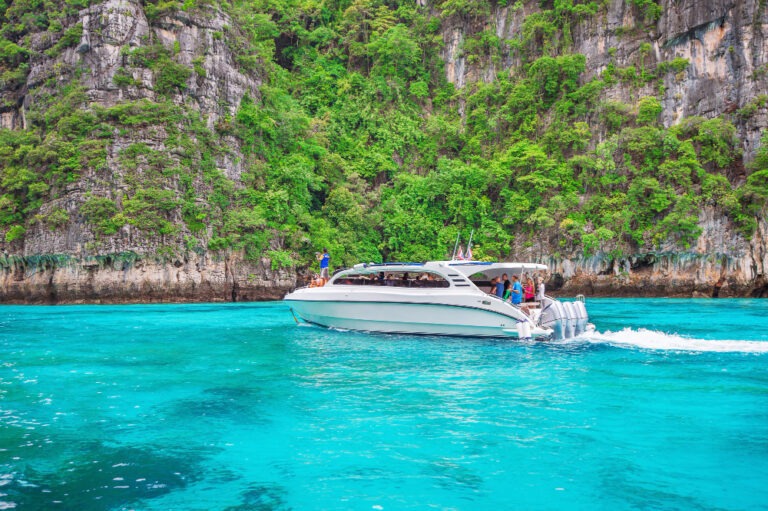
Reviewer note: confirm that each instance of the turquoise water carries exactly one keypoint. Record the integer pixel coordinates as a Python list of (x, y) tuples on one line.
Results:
[(234, 407)]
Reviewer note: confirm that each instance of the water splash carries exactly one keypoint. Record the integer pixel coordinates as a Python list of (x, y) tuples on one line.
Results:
[(656, 340)]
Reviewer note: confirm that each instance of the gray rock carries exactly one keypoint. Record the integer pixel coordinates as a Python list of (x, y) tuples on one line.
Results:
[(724, 41)]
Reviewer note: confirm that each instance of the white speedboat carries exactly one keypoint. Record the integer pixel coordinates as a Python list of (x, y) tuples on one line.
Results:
[(434, 298)]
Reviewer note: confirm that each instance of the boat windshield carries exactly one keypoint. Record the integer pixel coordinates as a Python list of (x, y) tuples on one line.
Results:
[(420, 279)]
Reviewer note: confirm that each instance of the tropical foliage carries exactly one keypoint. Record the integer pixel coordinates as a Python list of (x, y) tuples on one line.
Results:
[(357, 142)]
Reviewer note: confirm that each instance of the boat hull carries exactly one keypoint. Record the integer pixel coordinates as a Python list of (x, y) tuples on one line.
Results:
[(419, 318)]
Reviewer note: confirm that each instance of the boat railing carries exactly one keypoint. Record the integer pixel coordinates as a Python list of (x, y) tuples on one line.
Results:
[(495, 296), (528, 308), (533, 305)]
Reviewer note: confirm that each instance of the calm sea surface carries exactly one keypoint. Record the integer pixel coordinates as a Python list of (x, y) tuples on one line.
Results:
[(234, 407)]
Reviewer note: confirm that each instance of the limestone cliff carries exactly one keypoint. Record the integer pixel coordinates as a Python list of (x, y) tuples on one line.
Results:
[(135, 205), (129, 279), (723, 41), (74, 261), (724, 44)]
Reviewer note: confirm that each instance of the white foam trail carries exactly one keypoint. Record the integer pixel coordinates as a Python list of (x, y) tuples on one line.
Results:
[(655, 340)]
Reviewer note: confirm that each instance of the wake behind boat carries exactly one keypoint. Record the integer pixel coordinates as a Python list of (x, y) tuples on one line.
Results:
[(435, 298)]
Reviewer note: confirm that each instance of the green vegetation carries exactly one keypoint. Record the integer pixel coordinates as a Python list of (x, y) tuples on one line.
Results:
[(70, 38), (356, 142), (650, 8)]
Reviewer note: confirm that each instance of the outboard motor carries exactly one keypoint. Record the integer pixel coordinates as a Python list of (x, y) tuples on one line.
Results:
[(563, 318), (552, 316), (577, 323), (570, 312), (547, 317), (581, 309)]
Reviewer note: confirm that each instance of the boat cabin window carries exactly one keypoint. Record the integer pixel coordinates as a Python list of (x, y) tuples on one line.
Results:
[(418, 279), (480, 279)]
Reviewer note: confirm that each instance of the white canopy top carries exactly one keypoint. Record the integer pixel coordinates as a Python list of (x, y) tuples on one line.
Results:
[(466, 268), (491, 270)]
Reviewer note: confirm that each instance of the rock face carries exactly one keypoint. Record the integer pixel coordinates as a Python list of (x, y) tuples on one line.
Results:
[(121, 280), (724, 42), (81, 266), (116, 26), (721, 265)]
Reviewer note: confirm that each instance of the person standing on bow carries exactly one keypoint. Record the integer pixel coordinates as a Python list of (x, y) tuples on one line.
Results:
[(324, 259)]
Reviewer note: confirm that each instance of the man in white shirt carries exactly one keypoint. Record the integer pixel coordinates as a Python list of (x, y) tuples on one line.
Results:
[(540, 288)]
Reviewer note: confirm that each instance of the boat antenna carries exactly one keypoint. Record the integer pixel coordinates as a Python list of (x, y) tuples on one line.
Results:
[(469, 245), (455, 247)]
